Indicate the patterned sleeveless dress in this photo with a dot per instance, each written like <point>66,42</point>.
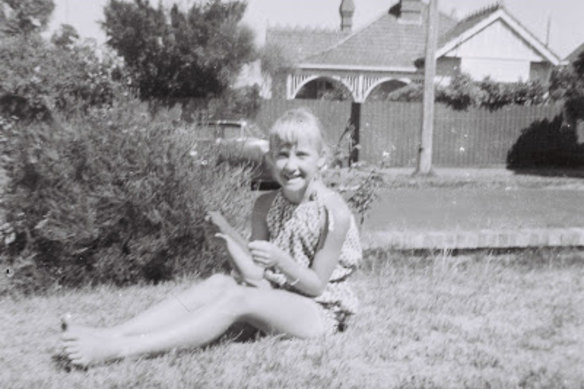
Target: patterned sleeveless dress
<point>298,229</point>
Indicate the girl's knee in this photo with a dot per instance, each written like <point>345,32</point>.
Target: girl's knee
<point>217,282</point>
<point>220,280</point>
<point>236,301</point>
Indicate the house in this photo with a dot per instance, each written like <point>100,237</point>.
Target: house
<point>387,53</point>
<point>574,54</point>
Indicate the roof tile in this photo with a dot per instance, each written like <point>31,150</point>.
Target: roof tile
<point>386,42</point>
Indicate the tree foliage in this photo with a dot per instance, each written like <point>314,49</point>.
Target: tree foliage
<point>463,93</point>
<point>24,16</point>
<point>176,53</point>
<point>275,60</point>
<point>65,36</point>
<point>63,77</point>
<point>567,84</point>
<point>37,76</point>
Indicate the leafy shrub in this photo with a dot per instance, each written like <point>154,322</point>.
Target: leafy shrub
<point>115,196</point>
<point>409,93</point>
<point>463,93</point>
<point>498,95</point>
<point>546,144</point>
<point>67,78</point>
<point>361,198</point>
<point>359,187</point>
<point>25,16</point>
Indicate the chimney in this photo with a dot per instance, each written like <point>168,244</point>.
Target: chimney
<point>347,9</point>
<point>411,11</point>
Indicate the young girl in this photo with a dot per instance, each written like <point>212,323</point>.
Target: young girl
<point>289,279</point>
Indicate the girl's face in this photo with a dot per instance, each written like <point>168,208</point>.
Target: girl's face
<point>296,164</point>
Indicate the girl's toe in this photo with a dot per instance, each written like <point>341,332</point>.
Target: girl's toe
<point>71,349</point>
<point>65,320</point>
<point>68,336</point>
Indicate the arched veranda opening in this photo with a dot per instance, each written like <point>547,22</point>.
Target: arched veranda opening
<point>324,88</point>
<point>382,90</point>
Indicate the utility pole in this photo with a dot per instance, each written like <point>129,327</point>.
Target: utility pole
<point>424,166</point>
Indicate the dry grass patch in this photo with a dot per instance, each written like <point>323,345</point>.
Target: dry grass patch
<point>436,321</point>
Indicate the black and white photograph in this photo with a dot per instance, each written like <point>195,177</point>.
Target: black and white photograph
<point>292,194</point>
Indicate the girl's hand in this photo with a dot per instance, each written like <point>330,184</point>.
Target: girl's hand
<point>265,253</point>
<point>232,246</point>
<point>240,261</point>
<point>215,218</point>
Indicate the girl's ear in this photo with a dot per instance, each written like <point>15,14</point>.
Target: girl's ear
<point>322,161</point>
<point>268,157</point>
<point>269,160</point>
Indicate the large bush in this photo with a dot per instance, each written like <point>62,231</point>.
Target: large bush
<point>64,77</point>
<point>546,144</point>
<point>115,196</point>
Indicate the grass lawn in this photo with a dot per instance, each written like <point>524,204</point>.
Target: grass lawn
<point>477,321</point>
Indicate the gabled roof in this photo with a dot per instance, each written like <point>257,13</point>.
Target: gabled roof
<point>467,23</point>
<point>389,43</point>
<point>476,22</point>
<point>299,43</point>
<point>575,54</point>
<point>386,42</point>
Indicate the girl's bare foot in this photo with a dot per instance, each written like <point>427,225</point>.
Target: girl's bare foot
<point>66,325</point>
<point>86,349</point>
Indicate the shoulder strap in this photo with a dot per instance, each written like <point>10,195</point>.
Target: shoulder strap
<point>325,223</point>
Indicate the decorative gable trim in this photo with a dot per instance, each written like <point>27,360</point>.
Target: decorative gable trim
<point>358,67</point>
<point>515,26</point>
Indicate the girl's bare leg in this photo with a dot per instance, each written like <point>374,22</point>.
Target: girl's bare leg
<point>275,311</point>
<point>167,311</point>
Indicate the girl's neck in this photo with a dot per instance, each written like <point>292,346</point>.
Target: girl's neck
<point>305,195</point>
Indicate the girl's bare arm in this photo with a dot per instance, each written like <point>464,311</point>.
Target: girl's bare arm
<point>311,281</point>
<point>237,245</point>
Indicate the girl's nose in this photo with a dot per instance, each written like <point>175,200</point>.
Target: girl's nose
<point>291,163</point>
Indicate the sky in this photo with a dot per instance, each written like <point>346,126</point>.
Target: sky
<point>566,24</point>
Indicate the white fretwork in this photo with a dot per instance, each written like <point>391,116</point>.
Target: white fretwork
<point>359,85</point>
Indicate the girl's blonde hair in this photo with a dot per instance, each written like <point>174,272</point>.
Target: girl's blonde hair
<point>295,124</point>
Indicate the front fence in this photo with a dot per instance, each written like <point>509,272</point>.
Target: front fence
<point>473,138</point>
<point>333,115</point>
<point>389,131</point>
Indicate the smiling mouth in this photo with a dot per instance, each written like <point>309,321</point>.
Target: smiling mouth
<point>292,177</point>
